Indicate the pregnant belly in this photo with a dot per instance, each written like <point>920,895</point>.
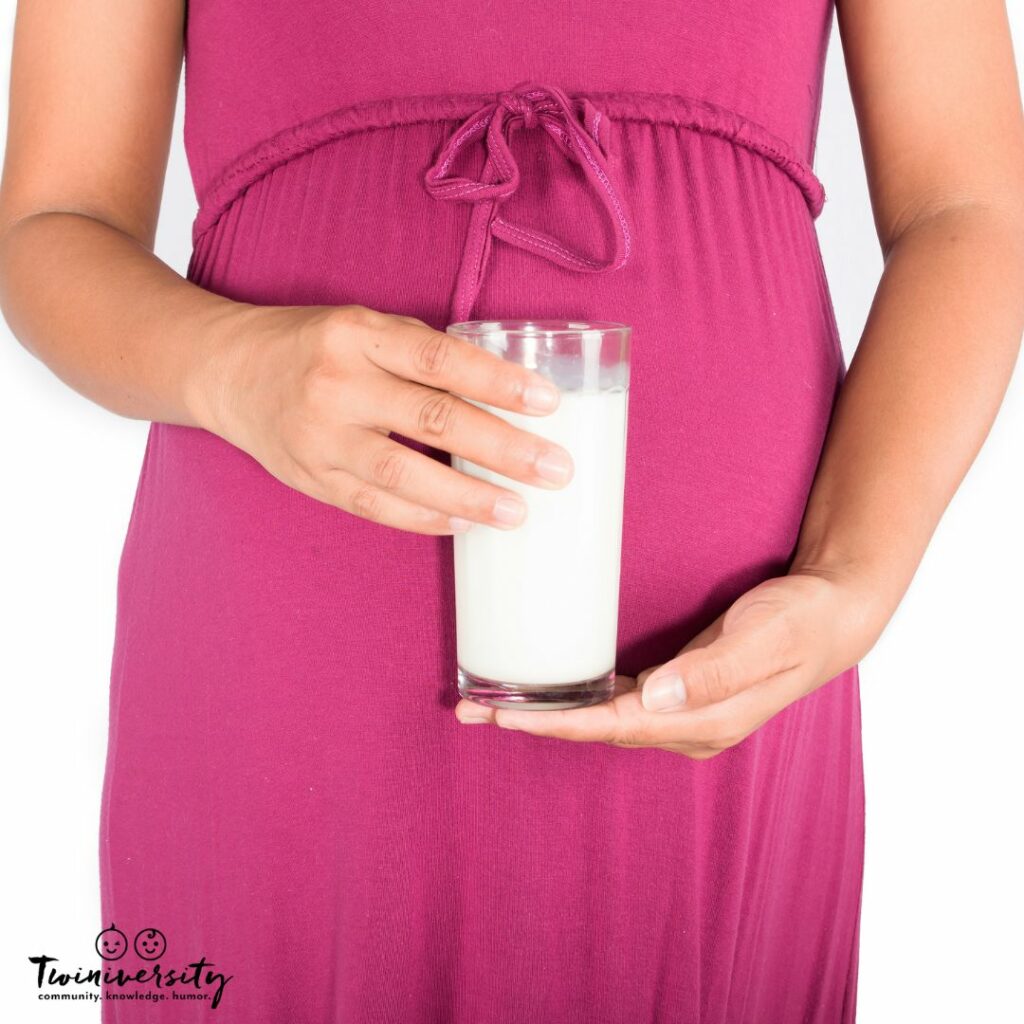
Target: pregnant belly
<point>735,367</point>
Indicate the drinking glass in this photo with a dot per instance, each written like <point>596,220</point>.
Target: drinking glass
<point>537,605</point>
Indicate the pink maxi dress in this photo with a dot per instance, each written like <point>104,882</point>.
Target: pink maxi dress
<point>288,794</point>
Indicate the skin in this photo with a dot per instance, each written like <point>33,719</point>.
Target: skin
<point>311,392</point>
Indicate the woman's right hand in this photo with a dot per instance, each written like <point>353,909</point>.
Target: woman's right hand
<point>311,392</point>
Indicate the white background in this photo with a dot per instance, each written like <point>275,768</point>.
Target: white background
<point>942,696</point>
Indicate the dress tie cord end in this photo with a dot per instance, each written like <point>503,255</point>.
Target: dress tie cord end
<point>581,133</point>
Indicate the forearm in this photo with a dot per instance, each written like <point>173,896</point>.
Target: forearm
<point>920,397</point>
<point>108,317</point>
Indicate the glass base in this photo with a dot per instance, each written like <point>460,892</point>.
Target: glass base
<point>536,697</point>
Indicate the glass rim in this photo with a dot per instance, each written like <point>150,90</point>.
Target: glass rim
<point>527,328</point>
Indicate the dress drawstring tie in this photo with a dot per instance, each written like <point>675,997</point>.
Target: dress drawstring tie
<point>580,130</point>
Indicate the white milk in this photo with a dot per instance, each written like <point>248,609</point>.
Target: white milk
<point>538,604</point>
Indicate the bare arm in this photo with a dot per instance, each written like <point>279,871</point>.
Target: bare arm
<point>93,88</point>
<point>938,106</point>
<point>311,392</point>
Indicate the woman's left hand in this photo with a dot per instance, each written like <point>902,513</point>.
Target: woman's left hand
<point>776,643</point>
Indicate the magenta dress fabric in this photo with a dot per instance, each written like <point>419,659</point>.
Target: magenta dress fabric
<point>288,793</point>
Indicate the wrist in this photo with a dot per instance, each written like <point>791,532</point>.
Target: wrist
<point>875,583</point>
<point>223,341</point>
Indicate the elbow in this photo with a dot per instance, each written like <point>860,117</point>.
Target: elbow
<point>8,244</point>
<point>12,231</point>
<point>997,213</point>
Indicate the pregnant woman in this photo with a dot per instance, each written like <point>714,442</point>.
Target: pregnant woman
<point>293,790</point>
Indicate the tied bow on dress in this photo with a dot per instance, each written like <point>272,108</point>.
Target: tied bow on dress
<point>579,131</point>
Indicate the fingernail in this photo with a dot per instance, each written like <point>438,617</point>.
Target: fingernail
<point>509,511</point>
<point>663,693</point>
<point>471,715</point>
<point>458,524</point>
<point>540,397</point>
<point>554,466</point>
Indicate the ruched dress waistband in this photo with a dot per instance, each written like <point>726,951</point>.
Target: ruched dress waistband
<point>578,125</point>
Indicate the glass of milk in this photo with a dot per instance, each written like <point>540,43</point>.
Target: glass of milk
<point>537,606</point>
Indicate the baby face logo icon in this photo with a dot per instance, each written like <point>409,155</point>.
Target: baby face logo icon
<point>150,943</point>
<point>111,943</point>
